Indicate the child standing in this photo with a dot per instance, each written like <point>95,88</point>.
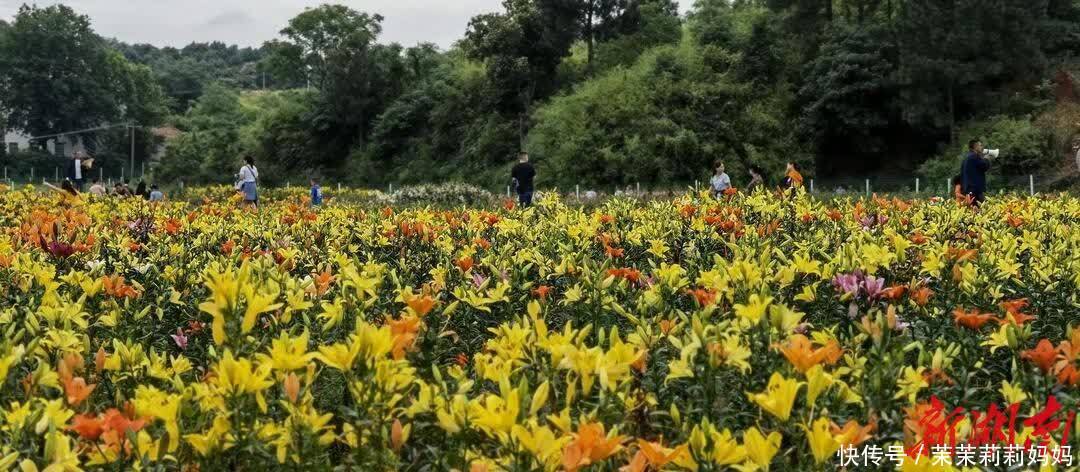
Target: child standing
<point>316,193</point>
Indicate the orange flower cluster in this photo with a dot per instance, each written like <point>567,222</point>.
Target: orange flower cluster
<point>590,445</point>
<point>1060,361</point>
<point>801,352</point>
<point>116,288</point>
<point>974,320</point>
<point>629,274</point>
<point>111,427</point>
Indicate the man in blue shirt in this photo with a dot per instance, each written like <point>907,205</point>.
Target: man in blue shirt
<point>316,193</point>
<point>973,172</point>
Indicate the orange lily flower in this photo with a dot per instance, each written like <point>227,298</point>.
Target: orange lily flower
<point>800,352</point>
<point>657,455</point>
<point>590,445</point>
<point>291,385</point>
<point>465,263</point>
<point>404,331</point>
<point>542,292</point>
<point>703,297</point>
<point>894,292</point>
<point>88,427</point>
<point>421,305</point>
<point>972,319</point>
<point>323,281</point>
<point>853,434</point>
<point>76,390</point>
<point>921,296</point>
<point>116,288</point>
<point>666,326</point>
<point>1068,375</point>
<point>1042,356</point>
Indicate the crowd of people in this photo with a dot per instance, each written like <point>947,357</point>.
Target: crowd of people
<point>523,173</point>
<point>721,182</point>
<point>969,184</point>
<point>75,180</point>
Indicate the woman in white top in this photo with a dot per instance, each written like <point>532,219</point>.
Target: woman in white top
<point>246,181</point>
<point>720,181</point>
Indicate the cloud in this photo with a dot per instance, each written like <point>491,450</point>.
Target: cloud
<point>251,22</point>
<point>231,18</point>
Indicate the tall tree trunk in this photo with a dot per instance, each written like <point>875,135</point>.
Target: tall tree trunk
<point>952,116</point>
<point>828,11</point>
<point>589,39</point>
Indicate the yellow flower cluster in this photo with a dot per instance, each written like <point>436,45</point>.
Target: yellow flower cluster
<point>753,332</point>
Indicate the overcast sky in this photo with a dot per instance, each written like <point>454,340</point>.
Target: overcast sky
<point>250,22</point>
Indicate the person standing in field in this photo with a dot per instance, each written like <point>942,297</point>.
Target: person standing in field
<point>792,178</point>
<point>522,177</point>
<point>756,179</point>
<point>155,194</point>
<point>973,172</point>
<point>246,180</point>
<point>75,170</point>
<point>316,193</point>
<point>720,181</point>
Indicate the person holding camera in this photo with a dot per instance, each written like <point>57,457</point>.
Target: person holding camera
<point>973,171</point>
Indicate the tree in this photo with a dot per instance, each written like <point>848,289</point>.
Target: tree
<point>711,23</point>
<point>663,121</point>
<point>210,147</point>
<point>334,48</point>
<point>60,74</point>
<point>642,26</point>
<point>957,55</point>
<point>522,47</point>
<point>848,99</point>
<point>63,77</point>
<point>5,85</point>
<point>328,38</point>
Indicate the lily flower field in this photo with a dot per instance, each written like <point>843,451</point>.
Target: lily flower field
<point>753,332</point>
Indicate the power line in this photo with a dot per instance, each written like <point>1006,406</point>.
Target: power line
<point>87,130</point>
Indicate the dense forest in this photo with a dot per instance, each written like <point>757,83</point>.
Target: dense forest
<point>600,92</point>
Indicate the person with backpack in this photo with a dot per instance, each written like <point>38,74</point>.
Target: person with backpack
<point>246,180</point>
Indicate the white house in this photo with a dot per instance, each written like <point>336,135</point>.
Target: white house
<point>61,146</point>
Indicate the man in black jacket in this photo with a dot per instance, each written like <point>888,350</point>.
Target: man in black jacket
<point>522,175</point>
<point>973,172</point>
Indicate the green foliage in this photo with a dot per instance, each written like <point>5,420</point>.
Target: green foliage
<point>664,121</point>
<point>848,97</point>
<point>712,23</point>
<point>184,72</point>
<point>650,23</point>
<point>1025,148</point>
<point>87,82</point>
<point>603,92</point>
<point>211,149</point>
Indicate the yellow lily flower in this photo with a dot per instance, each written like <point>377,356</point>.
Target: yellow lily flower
<point>778,397</point>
